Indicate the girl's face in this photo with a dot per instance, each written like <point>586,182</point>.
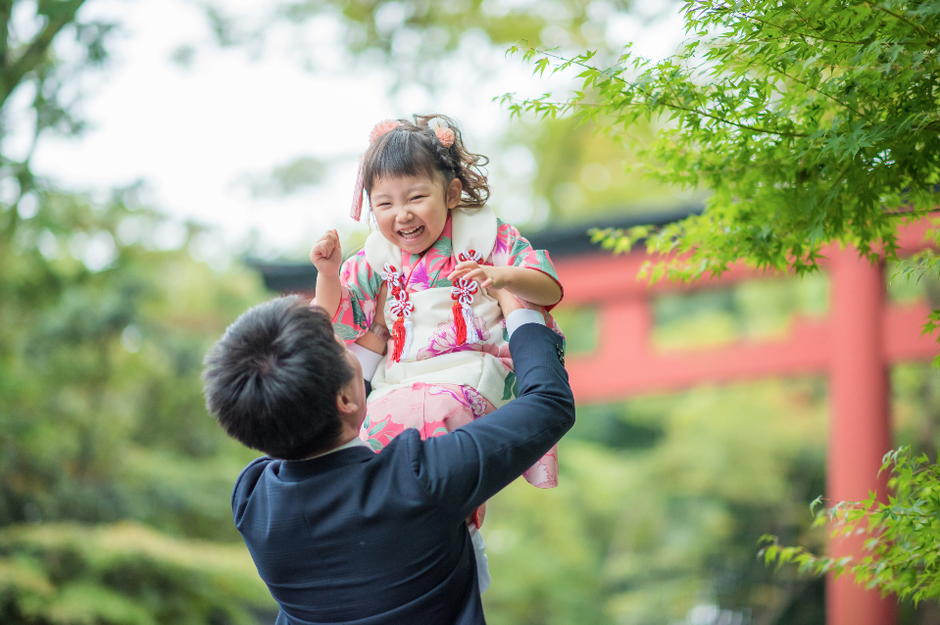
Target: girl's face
<point>411,211</point>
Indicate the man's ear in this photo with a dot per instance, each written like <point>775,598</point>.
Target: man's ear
<point>345,403</point>
<point>453,193</point>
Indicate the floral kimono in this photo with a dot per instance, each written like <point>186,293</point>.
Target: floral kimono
<point>448,359</point>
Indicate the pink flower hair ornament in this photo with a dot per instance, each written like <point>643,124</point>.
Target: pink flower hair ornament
<point>443,132</point>
<point>383,127</point>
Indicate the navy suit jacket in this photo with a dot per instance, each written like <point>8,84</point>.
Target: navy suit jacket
<point>363,538</point>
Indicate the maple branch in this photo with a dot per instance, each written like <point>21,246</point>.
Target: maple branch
<point>12,74</point>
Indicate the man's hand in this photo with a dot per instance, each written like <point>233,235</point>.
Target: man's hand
<point>507,301</point>
<point>380,305</point>
<point>327,254</point>
<point>487,276</point>
<point>370,340</point>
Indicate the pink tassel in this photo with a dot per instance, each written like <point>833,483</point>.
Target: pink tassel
<point>356,210</point>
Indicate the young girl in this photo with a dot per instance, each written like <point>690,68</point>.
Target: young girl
<point>421,287</point>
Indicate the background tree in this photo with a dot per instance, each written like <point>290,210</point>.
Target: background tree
<point>808,123</point>
<point>111,470</point>
<point>420,38</point>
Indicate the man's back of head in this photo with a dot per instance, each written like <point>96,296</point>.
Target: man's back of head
<point>272,379</point>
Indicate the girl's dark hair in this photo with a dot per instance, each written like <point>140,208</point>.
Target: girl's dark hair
<point>413,149</point>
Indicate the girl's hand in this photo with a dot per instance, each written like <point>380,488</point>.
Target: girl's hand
<point>326,254</point>
<point>487,276</point>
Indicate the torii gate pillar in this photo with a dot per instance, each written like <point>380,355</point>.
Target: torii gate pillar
<point>860,425</point>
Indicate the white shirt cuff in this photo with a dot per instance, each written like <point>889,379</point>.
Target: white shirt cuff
<point>368,359</point>
<point>522,316</point>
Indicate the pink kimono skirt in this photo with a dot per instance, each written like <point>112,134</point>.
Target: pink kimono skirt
<point>435,409</point>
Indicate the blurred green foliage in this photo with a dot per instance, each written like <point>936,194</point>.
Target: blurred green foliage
<point>754,310</point>
<point>102,346</point>
<point>114,483</point>
<point>577,175</point>
<point>122,573</point>
<point>901,534</point>
<point>102,421</point>
<point>112,478</point>
<point>804,120</point>
<point>580,327</point>
<point>419,37</point>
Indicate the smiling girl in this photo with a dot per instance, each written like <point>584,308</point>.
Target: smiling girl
<point>421,291</point>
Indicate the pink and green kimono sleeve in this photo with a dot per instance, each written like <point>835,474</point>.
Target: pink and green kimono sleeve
<point>514,250</point>
<point>360,288</point>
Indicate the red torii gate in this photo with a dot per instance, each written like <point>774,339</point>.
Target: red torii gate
<point>854,346</point>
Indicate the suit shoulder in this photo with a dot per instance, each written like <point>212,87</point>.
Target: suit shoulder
<point>248,479</point>
<point>400,449</point>
<point>405,452</point>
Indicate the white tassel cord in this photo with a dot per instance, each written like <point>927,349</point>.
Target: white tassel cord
<point>409,334</point>
<point>472,336</point>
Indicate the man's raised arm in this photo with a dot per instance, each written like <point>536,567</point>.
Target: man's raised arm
<point>468,466</point>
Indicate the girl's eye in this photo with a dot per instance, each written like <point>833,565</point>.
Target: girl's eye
<point>417,197</point>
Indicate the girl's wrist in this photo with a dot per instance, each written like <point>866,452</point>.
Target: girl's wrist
<point>507,275</point>
<point>327,277</point>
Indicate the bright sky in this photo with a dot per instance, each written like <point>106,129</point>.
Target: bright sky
<point>195,134</point>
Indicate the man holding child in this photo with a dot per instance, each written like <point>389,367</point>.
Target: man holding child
<point>341,534</point>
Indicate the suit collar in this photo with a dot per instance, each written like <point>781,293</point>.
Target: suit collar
<point>294,471</point>
<point>354,442</point>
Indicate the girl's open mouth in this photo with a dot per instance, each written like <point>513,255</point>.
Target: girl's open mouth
<point>414,233</point>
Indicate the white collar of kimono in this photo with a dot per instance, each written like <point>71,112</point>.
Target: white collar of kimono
<point>473,229</point>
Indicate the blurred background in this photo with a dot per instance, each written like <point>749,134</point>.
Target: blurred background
<point>155,153</point>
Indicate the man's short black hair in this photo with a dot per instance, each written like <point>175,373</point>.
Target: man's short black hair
<point>272,379</point>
